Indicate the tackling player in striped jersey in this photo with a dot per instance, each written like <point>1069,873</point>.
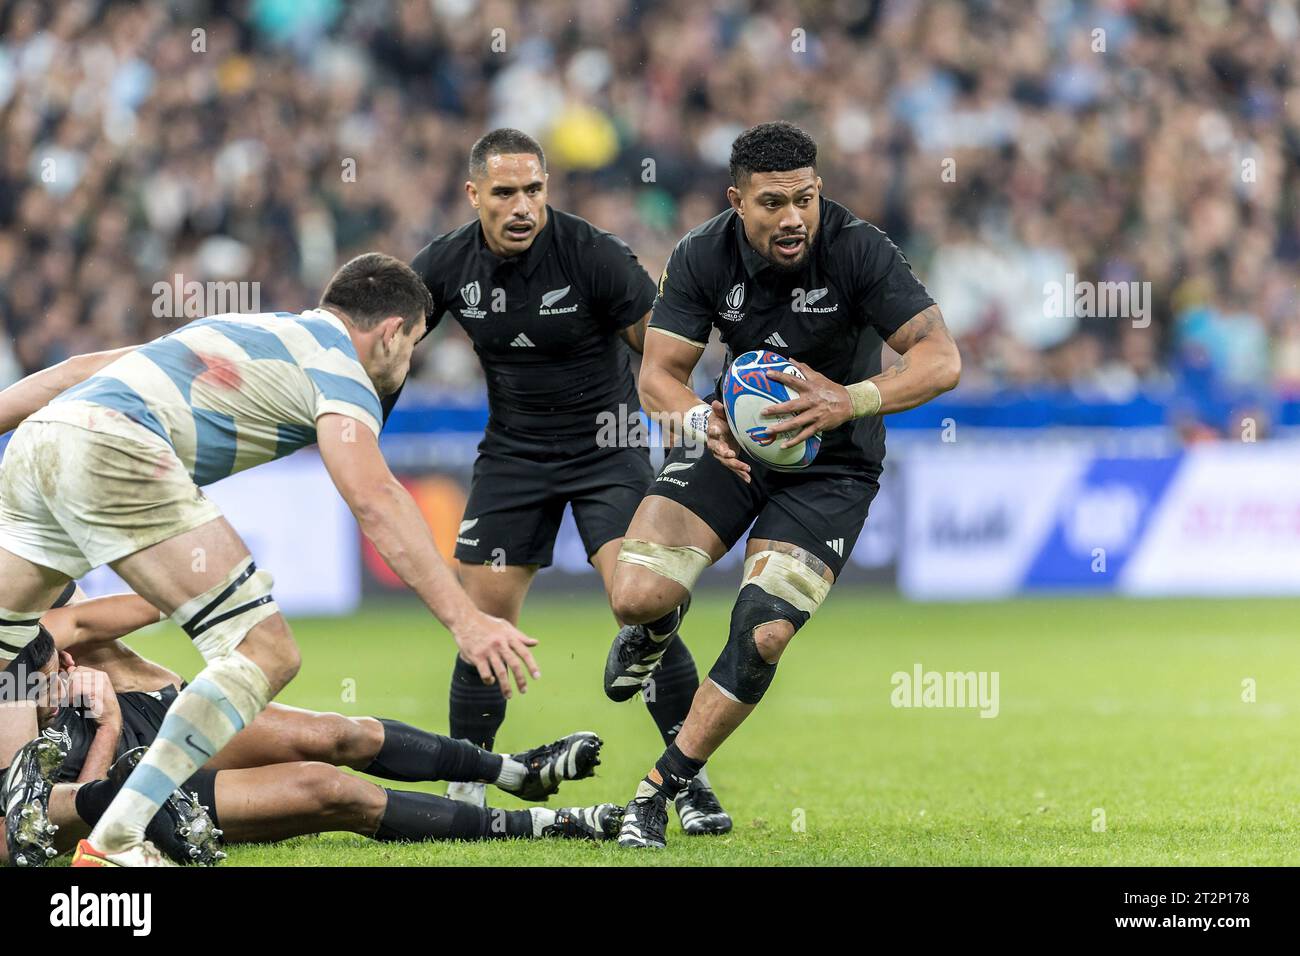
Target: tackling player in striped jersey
<point>278,778</point>
<point>109,472</point>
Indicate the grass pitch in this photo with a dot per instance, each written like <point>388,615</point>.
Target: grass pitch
<point>1125,733</point>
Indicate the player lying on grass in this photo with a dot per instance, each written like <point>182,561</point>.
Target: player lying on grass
<point>784,268</point>
<point>276,779</point>
<point>109,472</point>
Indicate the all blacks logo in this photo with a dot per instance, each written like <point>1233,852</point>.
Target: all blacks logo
<point>472,294</point>
<point>735,300</point>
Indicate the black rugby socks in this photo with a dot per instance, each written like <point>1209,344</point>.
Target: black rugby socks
<point>672,773</point>
<point>671,689</point>
<point>477,709</point>
<point>427,816</point>
<point>411,754</point>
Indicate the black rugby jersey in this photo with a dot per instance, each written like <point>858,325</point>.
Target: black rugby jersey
<point>142,717</point>
<point>854,291</point>
<point>544,323</point>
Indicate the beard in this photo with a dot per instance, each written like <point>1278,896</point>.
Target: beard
<point>789,266</point>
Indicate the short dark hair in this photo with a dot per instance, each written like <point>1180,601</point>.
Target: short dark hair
<point>374,286</point>
<point>501,142</point>
<point>771,148</point>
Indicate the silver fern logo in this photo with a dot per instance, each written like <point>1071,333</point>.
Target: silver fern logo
<point>550,298</point>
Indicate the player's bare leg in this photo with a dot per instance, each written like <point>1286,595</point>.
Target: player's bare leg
<point>665,550</point>
<point>284,734</point>
<point>781,587</point>
<point>27,591</point>
<point>282,801</point>
<point>394,750</point>
<point>205,580</point>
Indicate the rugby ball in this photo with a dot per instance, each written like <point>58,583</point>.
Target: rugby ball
<point>746,392</point>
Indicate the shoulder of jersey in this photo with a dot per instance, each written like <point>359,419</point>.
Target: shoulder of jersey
<point>452,243</point>
<point>839,221</point>
<point>719,225</point>
<point>574,232</point>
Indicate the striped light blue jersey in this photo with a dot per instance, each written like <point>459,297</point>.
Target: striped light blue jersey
<point>233,391</point>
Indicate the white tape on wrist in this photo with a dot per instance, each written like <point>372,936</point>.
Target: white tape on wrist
<point>695,423</point>
<point>866,398</point>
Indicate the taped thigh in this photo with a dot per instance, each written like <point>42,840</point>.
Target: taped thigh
<point>218,620</point>
<point>683,565</point>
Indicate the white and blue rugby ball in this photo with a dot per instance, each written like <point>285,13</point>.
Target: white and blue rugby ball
<point>746,392</point>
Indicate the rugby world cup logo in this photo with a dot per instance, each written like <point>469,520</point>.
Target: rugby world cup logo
<point>470,294</point>
<point>735,299</point>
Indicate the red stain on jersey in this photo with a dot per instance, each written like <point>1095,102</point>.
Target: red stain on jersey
<point>219,372</point>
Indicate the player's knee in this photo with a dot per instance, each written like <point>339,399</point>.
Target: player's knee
<point>322,784</point>
<point>778,595</point>
<point>772,638</point>
<point>286,662</point>
<point>273,649</point>
<point>642,597</point>
<point>652,579</point>
<point>335,739</point>
<point>360,740</point>
<point>744,670</point>
<point>337,795</point>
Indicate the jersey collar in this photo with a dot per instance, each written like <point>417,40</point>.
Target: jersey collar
<point>755,264</point>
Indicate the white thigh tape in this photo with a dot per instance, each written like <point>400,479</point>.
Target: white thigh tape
<point>217,620</point>
<point>786,577</point>
<point>683,565</point>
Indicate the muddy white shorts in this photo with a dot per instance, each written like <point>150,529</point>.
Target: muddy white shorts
<point>82,486</point>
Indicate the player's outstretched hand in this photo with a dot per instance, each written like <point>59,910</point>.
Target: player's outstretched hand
<point>498,648</point>
<point>723,444</point>
<point>821,405</point>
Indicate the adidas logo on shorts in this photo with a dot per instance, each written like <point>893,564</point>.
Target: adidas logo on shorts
<point>836,545</point>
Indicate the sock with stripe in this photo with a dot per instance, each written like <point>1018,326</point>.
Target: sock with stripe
<point>665,627</point>
<point>672,773</point>
<point>675,682</point>
<point>427,816</point>
<point>477,709</point>
<point>223,699</point>
<point>411,754</point>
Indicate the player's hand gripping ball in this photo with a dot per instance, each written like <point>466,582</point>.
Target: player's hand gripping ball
<point>746,392</point>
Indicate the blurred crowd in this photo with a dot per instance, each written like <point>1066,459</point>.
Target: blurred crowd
<point>1006,145</point>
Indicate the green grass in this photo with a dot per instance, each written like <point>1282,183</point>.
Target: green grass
<point>1133,707</point>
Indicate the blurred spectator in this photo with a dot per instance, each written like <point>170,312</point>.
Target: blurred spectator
<point>1006,146</point>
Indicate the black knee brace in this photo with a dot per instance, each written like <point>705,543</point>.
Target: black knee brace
<point>740,669</point>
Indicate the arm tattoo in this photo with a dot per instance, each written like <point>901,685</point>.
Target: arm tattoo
<point>895,370</point>
<point>918,327</point>
<point>634,335</point>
